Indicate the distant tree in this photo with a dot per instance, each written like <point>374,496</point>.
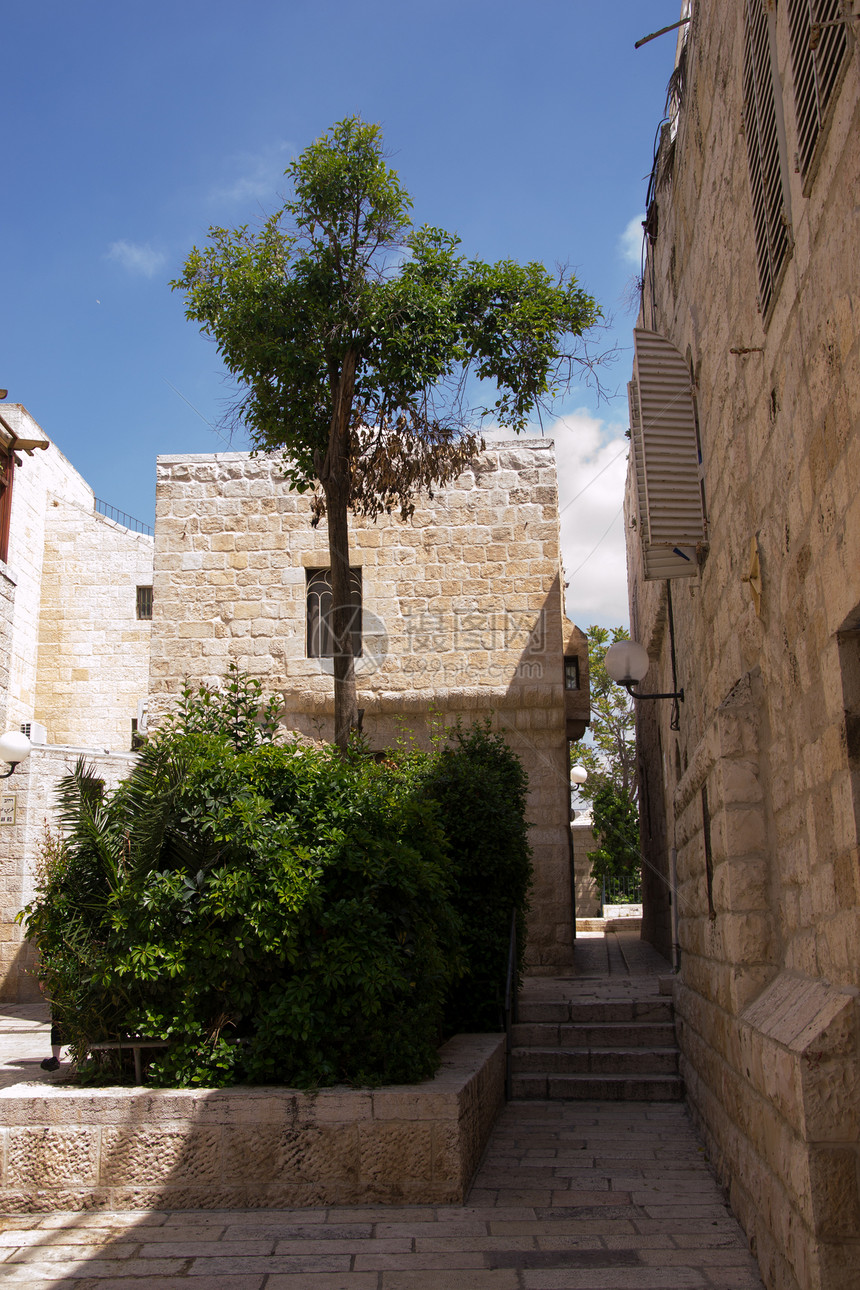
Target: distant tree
<point>610,760</point>
<point>354,333</point>
<point>615,825</point>
<point>609,756</point>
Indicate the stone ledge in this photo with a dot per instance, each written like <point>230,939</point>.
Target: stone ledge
<point>67,1148</point>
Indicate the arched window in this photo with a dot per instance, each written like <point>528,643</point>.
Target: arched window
<point>319,606</point>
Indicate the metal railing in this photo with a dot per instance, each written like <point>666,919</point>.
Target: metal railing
<point>122,517</point>
<point>626,890</point>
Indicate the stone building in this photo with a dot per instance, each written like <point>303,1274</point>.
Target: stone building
<point>460,617</point>
<point>743,513</point>
<point>75,619</point>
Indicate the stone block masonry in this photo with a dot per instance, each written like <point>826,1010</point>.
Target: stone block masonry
<point>461,619</point>
<point>133,1148</point>
<point>756,788</point>
<point>33,791</point>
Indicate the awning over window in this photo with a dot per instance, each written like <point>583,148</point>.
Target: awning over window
<point>666,459</point>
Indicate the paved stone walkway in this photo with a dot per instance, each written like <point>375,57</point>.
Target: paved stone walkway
<point>570,1196</point>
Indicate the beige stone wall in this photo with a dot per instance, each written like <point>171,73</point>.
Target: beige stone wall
<point>33,790</point>
<point>462,616</point>
<point>44,474</point>
<point>587,891</point>
<point>7,602</point>
<point>78,659</point>
<point>759,790</point>
<point>122,1148</point>
<point>93,653</point>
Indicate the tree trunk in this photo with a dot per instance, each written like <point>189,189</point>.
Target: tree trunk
<point>335,483</point>
<point>345,699</point>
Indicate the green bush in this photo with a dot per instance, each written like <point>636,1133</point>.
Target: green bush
<point>480,786</point>
<point>279,913</point>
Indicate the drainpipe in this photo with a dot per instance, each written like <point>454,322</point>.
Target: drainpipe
<point>673,891</point>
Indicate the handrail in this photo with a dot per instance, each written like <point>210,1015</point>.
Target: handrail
<point>511,1002</point>
<point>122,517</point>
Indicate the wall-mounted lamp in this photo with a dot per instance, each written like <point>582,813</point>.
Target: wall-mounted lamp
<point>627,663</point>
<point>14,748</point>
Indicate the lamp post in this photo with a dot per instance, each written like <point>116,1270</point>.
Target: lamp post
<point>14,748</point>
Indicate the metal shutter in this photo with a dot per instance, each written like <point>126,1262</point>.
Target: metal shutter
<point>816,71</point>
<point>665,459</point>
<point>767,188</point>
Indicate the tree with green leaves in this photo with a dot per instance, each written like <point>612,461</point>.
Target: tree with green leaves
<point>355,335</point>
<point>609,756</point>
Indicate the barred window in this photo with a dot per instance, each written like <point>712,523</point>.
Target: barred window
<point>319,607</point>
<point>765,152</point>
<point>144,602</point>
<point>819,45</point>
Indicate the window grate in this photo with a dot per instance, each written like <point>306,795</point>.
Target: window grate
<point>320,639</point>
<point>816,69</point>
<point>766,168</point>
<point>144,602</point>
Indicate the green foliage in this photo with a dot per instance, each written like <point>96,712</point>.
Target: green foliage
<point>279,913</point>
<point>321,304</point>
<point>609,755</point>
<point>353,335</point>
<point>235,710</point>
<point>480,788</point>
<point>615,824</point>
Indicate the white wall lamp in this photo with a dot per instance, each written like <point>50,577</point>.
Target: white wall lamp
<point>627,663</point>
<point>14,748</point>
<point>578,776</point>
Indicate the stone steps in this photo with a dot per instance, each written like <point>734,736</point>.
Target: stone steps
<point>612,1050</point>
<point>606,1034</point>
<point>596,1061</point>
<point>599,1088</point>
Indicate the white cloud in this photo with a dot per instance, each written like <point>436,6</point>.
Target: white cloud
<point>630,241</point>
<point>256,176</point>
<point>137,258</point>
<point>591,458</point>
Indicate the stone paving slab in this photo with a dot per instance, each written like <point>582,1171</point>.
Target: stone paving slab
<point>551,1209</point>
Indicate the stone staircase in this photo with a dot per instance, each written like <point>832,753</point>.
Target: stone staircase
<point>596,1049</point>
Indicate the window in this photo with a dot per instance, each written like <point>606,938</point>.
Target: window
<point>319,606</point>
<point>144,602</point>
<point>571,672</point>
<point>765,152</point>
<point>819,44</point>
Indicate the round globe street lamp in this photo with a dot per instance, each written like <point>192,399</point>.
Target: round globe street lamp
<point>14,748</point>
<point>578,775</point>
<point>627,663</point>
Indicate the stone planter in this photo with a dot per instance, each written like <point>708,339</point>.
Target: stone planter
<point>132,1148</point>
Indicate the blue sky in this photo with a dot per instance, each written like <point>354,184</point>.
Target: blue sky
<point>130,129</point>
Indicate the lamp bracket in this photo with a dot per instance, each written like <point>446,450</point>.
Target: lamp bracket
<point>634,694</point>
